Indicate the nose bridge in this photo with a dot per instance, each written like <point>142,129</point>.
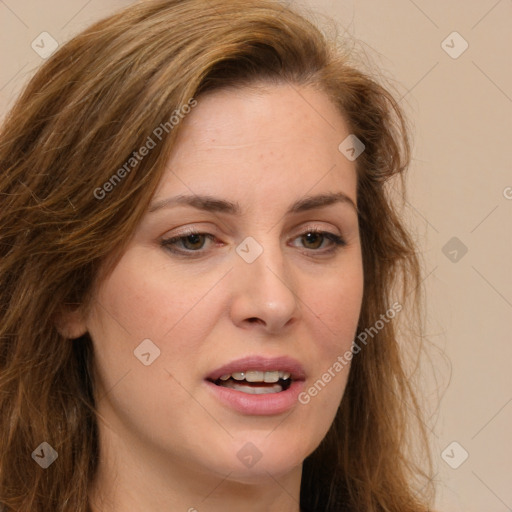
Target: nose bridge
<point>263,261</point>
<point>265,287</point>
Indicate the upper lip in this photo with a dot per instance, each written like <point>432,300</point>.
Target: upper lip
<point>262,364</point>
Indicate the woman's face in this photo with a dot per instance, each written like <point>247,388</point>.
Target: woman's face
<point>173,316</point>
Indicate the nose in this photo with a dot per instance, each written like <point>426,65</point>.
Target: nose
<point>264,292</point>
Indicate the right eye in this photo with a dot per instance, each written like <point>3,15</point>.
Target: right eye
<point>187,243</point>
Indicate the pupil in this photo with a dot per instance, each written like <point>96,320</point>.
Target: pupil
<point>313,235</point>
<point>194,239</point>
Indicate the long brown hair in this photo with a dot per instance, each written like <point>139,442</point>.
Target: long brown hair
<point>76,124</point>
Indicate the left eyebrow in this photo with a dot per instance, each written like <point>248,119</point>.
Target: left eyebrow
<point>215,204</point>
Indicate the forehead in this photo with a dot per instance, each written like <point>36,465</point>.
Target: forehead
<point>260,143</point>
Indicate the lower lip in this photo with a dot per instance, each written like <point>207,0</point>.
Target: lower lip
<point>266,404</point>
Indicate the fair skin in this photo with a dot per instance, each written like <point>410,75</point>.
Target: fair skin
<point>166,441</point>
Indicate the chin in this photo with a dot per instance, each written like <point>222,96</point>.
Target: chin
<point>261,473</point>
<point>258,458</point>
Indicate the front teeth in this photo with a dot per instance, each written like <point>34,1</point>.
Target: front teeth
<point>267,377</point>
<point>257,376</point>
<point>254,376</point>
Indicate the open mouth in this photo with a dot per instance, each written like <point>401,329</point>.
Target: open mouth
<point>256,382</point>
<point>257,385</point>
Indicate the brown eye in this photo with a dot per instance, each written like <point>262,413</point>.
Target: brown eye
<point>313,240</point>
<point>188,243</point>
<point>195,241</point>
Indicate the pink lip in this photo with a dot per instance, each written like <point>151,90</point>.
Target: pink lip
<point>265,404</point>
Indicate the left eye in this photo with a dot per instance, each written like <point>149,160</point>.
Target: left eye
<point>193,242</point>
<point>312,236</point>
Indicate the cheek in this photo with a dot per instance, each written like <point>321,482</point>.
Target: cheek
<point>335,309</point>
<point>176,315</point>
<point>142,300</point>
<point>151,301</point>
<point>336,304</point>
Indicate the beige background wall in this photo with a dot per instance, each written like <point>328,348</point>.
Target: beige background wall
<point>460,186</point>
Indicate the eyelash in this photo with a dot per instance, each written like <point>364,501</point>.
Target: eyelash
<point>337,241</point>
